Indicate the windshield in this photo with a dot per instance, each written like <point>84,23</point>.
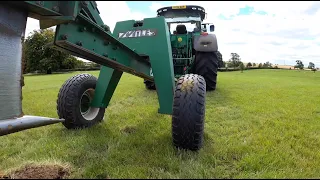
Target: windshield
<point>182,19</point>
<point>192,23</point>
<point>190,27</point>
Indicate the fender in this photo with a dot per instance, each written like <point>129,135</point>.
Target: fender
<point>205,43</point>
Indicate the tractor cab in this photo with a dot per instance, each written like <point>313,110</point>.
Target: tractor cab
<point>182,19</point>
<point>185,19</point>
<point>184,23</point>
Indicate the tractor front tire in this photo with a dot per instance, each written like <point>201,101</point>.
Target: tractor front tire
<point>74,100</point>
<point>150,85</point>
<point>206,65</point>
<point>189,112</point>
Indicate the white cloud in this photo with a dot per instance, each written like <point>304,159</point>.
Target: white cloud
<point>261,38</point>
<point>32,24</point>
<point>155,6</point>
<point>289,31</point>
<point>114,11</point>
<point>110,12</point>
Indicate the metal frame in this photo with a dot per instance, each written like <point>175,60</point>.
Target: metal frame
<point>76,19</point>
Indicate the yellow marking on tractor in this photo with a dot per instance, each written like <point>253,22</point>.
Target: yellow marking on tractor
<point>179,7</point>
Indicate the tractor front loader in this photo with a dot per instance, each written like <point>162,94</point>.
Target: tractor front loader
<point>142,48</point>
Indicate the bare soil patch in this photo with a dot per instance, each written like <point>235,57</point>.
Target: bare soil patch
<point>38,172</point>
<point>129,130</point>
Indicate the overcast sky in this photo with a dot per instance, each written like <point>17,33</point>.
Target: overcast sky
<point>276,31</point>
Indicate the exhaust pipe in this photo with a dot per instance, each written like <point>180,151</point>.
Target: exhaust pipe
<point>9,126</point>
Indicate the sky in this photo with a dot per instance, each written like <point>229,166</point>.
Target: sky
<point>280,32</point>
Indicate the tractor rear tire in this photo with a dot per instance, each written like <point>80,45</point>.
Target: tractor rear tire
<point>150,85</point>
<point>73,102</point>
<point>206,65</point>
<point>189,112</point>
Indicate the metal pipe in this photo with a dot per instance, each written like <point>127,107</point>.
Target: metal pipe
<point>9,126</point>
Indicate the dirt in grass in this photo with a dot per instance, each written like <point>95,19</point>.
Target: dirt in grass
<point>38,172</point>
<point>129,130</point>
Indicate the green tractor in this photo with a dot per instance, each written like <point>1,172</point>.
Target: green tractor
<point>194,49</point>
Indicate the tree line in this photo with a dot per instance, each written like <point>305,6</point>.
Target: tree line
<point>38,56</point>
<point>235,62</point>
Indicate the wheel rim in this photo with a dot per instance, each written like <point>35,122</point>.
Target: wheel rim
<point>87,112</point>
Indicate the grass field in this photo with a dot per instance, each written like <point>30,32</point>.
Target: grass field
<point>259,124</point>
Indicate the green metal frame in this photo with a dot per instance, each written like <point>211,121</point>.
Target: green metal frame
<point>158,48</point>
<point>81,32</point>
<point>106,85</point>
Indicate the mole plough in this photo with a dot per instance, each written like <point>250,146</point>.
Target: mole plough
<point>174,53</point>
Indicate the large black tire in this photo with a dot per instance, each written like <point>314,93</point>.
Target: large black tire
<point>206,65</point>
<point>189,112</point>
<point>73,102</point>
<point>150,85</point>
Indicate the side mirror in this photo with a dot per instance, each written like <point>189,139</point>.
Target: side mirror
<point>211,28</point>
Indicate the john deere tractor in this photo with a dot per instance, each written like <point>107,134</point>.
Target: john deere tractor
<point>194,46</point>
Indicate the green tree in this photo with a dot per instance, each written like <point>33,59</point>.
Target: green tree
<point>314,70</point>
<point>93,65</point>
<point>260,65</point>
<point>249,65</point>
<point>241,67</point>
<point>222,64</point>
<point>220,59</point>
<point>234,61</point>
<point>267,64</point>
<point>72,62</point>
<point>40,57</point>
<point>80,64</point>
<point>311,65</point>
<point>254,65</point>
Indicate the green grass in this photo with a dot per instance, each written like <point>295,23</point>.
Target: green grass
<point>259,124</point>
